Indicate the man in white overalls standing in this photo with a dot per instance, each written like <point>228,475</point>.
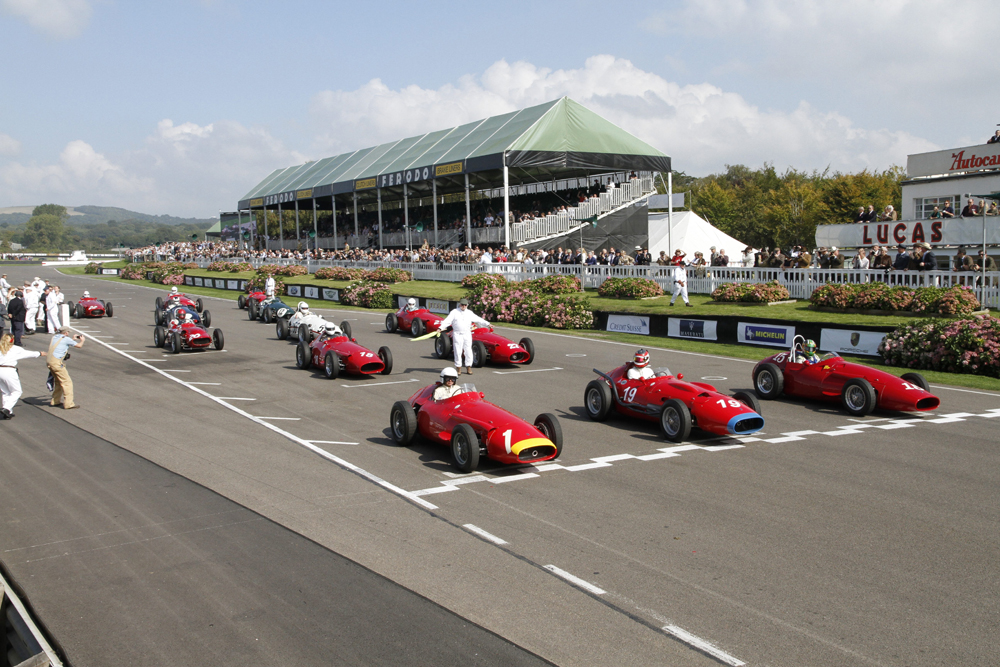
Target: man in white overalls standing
<point>680,285</point>
<point>461,320</point>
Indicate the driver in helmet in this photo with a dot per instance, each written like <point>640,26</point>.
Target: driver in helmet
<point>809,352</point>
<point>640,369</point>
<point>173,291</point>
<point>331,330</point>
<point>411,305</point>
<point>303,309</point>
<point>86,294</point>
<point>449,385</point>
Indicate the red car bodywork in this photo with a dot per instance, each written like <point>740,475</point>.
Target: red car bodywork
<point>710,410</point>
<point>404,318</point>
<point>825,381</point>
<point>499,350</point>
<point>255,296</point>
<point>90,307</point>
<point>191,336</point>
<point>354,359</point>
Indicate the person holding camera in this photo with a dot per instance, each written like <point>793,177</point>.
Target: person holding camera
<point>62,389</point>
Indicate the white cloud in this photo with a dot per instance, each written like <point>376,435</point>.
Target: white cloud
<point>9,146</point>
<point>60,19</point>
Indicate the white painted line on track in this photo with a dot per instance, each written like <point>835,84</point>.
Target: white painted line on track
<point>343,463</point>
<point>234,398</point>
<point>287,419</point>
<point>433,490</point>
<point>702,645</point>
<point>533,370</point>
<point>332,442</point>
<point>118,343</point>
<point>964,391</point>
<point>513,478</point>
<point>472,528</point>
<point>173,370</point>
<point>378,384</point>
<point>214,384</point>
<point>585,585</point>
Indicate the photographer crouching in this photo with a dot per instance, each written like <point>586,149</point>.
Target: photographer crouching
<point>62,385</point>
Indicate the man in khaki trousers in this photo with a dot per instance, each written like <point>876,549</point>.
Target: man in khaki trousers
<point>62,390</point>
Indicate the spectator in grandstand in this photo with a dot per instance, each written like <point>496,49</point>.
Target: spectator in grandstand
<point>888,215</point>
<point>995,139</point>
<point>836,259</point>
<point>823,258</point>
<point>591,259</point>
<point>880,258</point>
<point>749,256</point>
<point>861,260</point>
<point>948,211</point>
<point>993,209</point>
<point>663,260</point>
<point>936,213</point>
<point>699,264</point>
<point>970,209</point>
<point>712,255</point>
<point>678,258</point>
<point>926,260</point>
<point>860,215</point>
<point>721,259</point>
<point>762,256</point>
<point>870,215</point>
<point>960,260</point>
<point>990,264</point>
<point>776,259</point>
<point>804,260</point>
<point>643,258</point>
<point>902,259</point>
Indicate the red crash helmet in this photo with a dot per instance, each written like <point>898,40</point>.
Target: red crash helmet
<point>641,359</point>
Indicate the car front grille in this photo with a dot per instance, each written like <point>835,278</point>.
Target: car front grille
<point>536,453</point>
<point>749,424</point>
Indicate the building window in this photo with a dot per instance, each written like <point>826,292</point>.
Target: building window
<point>924,207</point>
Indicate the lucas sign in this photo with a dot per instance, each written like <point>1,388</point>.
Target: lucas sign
<point>958,231</point>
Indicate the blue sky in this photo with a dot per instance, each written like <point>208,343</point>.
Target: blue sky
<point>182,107</point>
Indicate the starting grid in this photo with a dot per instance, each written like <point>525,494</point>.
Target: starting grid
<point>721,444</point>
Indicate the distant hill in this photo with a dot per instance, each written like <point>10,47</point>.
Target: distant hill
<point>90,215</point>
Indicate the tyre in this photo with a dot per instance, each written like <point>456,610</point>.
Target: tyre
<point>345,326</point>
<point>159,303</point>
<point>252,309</point>
<point>206,319</point>
<point>305,334</point>
<point>79,311</point>
<point>465,448</point>
<point>218,339</point>
<point>548,424</point>
<point>72,310</point>
<point>157,317</point>
<point>281,328</point>
<point>402,423</point>
<point>749,400</point>
<point>597,400</point>
<point>675,420</point>
<point>159,336</point>
<point>916,379</point>
<point>266,315</point>
<point>391,322</point>
<point>109,310</point>
<point>417,327</point>
<point>530,348</point>
<point>442,346</point>
<point>331,365</point>
<point>385,354</point>
<point>303,355</point>
<point>175,343</point>
<point>768,381</point>
<point>858,397</point>
<point>478,354</point>
<point>241,302</point>
<point>198,305</point>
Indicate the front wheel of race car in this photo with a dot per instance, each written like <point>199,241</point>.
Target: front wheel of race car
<point>749,400</point>
<point>281,329</point>
<point>768,382</point>
<point>417,327</point>
<point>305,334</point>
<point>916,379</point>
<point>157,317</point>
<point>331,365</point>
<point>79,311</point>
<point>266,315</point>
<point>442,346</point>
<point>175,342</point>
<point>159,303</point>
<point>159,336</point>
<point>198,305</point>
<point>529,347</point>
<point>391,322</point>
<point>548,424</point>
<point>478,353</point>
<point>465,448</point>
<point>597,400</point>
<point>858,397</point>
<point>218,339</point>
<point>241,302</point>
<point>303,355</point>
<point>345,326</point>
<point>109,310</point>
<point>385,354</point>
<point>72,309</point>
<point>675,420</point>
<point>252,309</point>
<point>206,319</point>
<point>402,423</point>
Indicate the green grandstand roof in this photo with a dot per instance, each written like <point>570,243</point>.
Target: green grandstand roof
<point>561,134</point>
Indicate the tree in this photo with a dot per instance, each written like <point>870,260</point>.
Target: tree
<point>846,193</point>
<point>51,209</point>
<point>44,232</point>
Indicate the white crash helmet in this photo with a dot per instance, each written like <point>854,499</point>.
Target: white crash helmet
<point>330,329</point>
<point>173,290</point>
<point>449,372</point>
<point>411,304</point>
<point>303,307</point>
<point>86,295</point>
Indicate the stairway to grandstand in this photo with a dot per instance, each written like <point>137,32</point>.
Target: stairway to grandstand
<point>595,208</point>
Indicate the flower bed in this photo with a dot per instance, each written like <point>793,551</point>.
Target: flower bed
<point>947,301</point>
<point>478,280</point>
<point>389,275</point>
<point>172,271</point>
<point>629,288</point>
<point>750,293</point>
<point>93,267</point>
<point>340,273</point>
<point>526,303</point>
<point>240,267</point>
<point>558,284</point>
<point>367,294</point>
<point>292,270</point>
<point>218,266</point>
<point>256,284</point>
<point>953,346</point>
<point>133,272</point>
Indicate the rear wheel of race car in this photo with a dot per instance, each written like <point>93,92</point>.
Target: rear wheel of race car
<point>529,347</point>
<point>858,397</point>
<point>442,346</point>
<point>675,420</point>
<point>345,326</point>
<point>157,317</point>
<point>417,327</point>
<point>916,379</point>
<point>79,311</point>
<point>597,400</point>
<point>266,315</point>
<point>109,310</point>
<point>331,365</point>
<point>749,400</point>
<point>548,424</point>
<point>305,334</point>
<point>72,309</point>
<point>241,302</point>
<point>206,319</point>
<point>768,382</point>
<point>402,423</point>
<point>391,322</point>
<point>465,448</point>
<point>198,305</point>
<point>252,309</point>
<point>385,354</point>
<point>159,336</point>
<point>303,355</point>
<point>159,303</point>
<point>175,342</point>
<point>281,329</point>
<point>478,353</point>
<point>218,339</point>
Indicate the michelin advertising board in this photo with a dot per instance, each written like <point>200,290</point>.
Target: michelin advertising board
<point>772,335</point>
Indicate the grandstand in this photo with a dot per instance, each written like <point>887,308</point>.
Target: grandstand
<point>524,177</point>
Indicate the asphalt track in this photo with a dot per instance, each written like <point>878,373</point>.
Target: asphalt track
<point>825,540</point>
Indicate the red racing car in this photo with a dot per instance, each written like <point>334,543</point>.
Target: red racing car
<point>90,307</point>
<point>342,354</point>
<point>178,298</point>
<point>179,336</point>
<point>488,346</point>
<point>474,427</point>
<point>677,405</point>
<point>860,389</point>
<point>243,299</point>
<point>417,322</point>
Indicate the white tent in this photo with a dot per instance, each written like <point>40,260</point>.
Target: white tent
<point>690,233</point>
